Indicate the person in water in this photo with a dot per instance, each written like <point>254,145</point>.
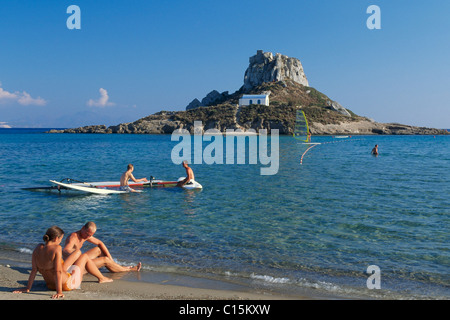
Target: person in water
<point>99,255</point>
<point>127,175</point>
<point>58,274</point>
<point>375,150</point>
<point>189,175</point>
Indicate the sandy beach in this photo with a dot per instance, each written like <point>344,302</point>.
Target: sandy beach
<point>13,277</point>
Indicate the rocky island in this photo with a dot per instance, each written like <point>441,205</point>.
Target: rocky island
<point>284,80</point>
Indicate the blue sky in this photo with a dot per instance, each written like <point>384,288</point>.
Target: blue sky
<point>134,58</point>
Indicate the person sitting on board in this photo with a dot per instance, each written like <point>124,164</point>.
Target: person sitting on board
<point>375,150</point>
<point>189,175</point>
<point>99,255</point>
<point>127,175</point>
<point>58,274</point>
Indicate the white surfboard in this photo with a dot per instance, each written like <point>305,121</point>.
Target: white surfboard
<point>86,188</point>
<point>191,184</point>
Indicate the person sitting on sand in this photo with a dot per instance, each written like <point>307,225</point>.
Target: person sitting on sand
<point>58,274</point>
<point>99,255</point>
<point>375,150</point>
<point>189,175</point>
<point>127,175</point>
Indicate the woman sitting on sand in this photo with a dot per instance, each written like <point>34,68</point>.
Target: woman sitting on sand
<point>59,275</point>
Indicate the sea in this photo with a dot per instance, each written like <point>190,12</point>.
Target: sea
<point>342,223</point>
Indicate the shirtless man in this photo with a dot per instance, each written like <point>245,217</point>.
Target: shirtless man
<point>127,175</point>
<point>99,255</point>
<point>58,274</point>
<point>375,150</point>
<point>189,175</point>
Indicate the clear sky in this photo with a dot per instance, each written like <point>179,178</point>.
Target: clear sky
<point>136,57</point>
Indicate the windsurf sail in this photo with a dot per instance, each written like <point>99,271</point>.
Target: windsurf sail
<point>301,130</point>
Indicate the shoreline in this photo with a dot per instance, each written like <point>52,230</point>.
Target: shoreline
<point>128,286</point>
<point>442,132</point>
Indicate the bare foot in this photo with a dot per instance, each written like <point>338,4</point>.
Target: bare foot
<point>136,267</point>
<point>105,280</point>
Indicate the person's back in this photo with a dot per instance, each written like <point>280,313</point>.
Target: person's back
<point>45,256</point>
<point>190,173</point>
<point>127,175</point>
<point>375,150</point>
<point>124,178</point>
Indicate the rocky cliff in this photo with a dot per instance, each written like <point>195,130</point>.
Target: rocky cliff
<point>289,91</point>
<point>264,67</point>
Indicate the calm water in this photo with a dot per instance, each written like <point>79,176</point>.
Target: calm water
<point>315,226</point>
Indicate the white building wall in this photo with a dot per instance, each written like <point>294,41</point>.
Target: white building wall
<point>247,100</point>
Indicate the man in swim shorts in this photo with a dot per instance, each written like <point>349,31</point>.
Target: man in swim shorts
<point>99,255</point>
<point>127,175</point>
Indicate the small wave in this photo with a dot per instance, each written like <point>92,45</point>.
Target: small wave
<point>25,250</point>
<point>231,274</point>
<point>269,279</point>
<point>331,287</point>
<point>301,282</point>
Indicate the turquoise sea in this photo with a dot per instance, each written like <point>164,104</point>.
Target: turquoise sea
<point>313,228</point>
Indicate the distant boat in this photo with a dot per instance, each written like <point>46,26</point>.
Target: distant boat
<point>341,137</point>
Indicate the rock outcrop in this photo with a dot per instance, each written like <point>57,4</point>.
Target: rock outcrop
<point>194,104</point>
<point>264,67</point>
<point>367,127</point>
<point>138,127</point>
<point>336,106</point>
<point>212,98</point>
